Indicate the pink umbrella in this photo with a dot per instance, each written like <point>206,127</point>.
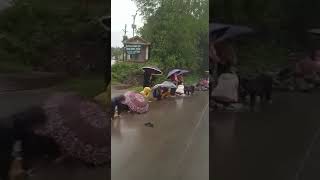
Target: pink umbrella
<point>136,102</point>
<point>79,126</point>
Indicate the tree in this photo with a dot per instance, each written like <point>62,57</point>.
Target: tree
<point>178,31</point>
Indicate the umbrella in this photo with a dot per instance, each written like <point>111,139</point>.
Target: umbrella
<point>172,72</point>
<point>154,70</point>
<point>79,126</point>
<point>182,72</point>
<point>314,31</point>
<point>106,22</point>
<point>230,32</point>
<point>166,84</point>
<point>136,102</point>
<point>217,30</point>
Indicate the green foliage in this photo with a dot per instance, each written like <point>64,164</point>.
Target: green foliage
<point>12,67</point>
<point>178,31</point>
<point>132,74</point>
<point>124,72</point>
<point>86,85</point>
<point>30,29</point>
<point>263,57</point>
<point>117,53</point>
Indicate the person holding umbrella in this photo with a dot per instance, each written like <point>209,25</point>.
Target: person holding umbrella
<point>147,75</point>
<point>180,78</point>
<point>173,76</point>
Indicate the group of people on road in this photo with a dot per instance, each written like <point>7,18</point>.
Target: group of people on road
<point>138,102</point>
<point>227,87</point>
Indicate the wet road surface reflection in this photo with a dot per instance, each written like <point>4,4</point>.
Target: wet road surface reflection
<point>169,150</point>
<point>272,144</point>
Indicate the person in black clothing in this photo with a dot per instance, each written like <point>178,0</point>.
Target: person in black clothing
<point>116,102</point>
<point>34,147</point>
<point>147,78</point>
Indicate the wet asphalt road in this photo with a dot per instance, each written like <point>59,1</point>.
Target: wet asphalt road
<point>281,142</point>
<point>176,148</point>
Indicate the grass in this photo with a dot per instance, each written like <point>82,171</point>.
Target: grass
<point>129,73</point>
<point>13,67</point>
<point>136,88</point>
<point>86,85</point>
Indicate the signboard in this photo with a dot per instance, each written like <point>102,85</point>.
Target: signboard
<point>133,49</point>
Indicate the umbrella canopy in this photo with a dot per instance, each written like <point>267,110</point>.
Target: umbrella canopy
<point>136,102</point>
<point>229,31</point>
<point>106,22</point>
<point>217,30</point>
<point>172,72</point>
<point>79,126</point>
<point>183,72</point>
<point>154,70</point>
<point>166,84</point>
<point>314,31</point>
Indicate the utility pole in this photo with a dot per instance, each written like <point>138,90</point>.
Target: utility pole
<point>124,38</point>
<point>133,24</point>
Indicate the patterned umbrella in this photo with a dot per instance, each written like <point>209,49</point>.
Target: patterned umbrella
<point>136,102</point>
<point>79,126</point>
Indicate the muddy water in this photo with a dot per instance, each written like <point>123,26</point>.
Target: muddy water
<point>271,144</point>
<point>177,147</point>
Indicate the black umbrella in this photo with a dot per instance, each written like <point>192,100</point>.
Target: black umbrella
<point>154,70</point>
<point>314,31</point>
<point>217,30</point>
<point>229,31</point>
<point>106,22</point>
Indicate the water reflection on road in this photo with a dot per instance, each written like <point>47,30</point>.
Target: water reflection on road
<point>180,136</point>
<point>271,144</point>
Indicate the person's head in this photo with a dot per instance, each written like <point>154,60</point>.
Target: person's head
<point>121,98</point>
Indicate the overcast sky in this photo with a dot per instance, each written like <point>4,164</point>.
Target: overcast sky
<point>121,14</point>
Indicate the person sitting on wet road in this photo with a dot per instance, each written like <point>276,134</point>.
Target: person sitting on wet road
<point>226,91</point>
<point>116,103</point>
<point>180,90</point>
<point>174,79</point>
<point>165,92</point>
<point>156,93</point>
<point>307,71</point>
<point>146,92</point>
<point>180,79</point>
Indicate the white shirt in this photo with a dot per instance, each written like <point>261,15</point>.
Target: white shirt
<point>227,86</point>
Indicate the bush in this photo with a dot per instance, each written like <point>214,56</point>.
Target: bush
<point>132,74</point>
<point>33,29</point>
